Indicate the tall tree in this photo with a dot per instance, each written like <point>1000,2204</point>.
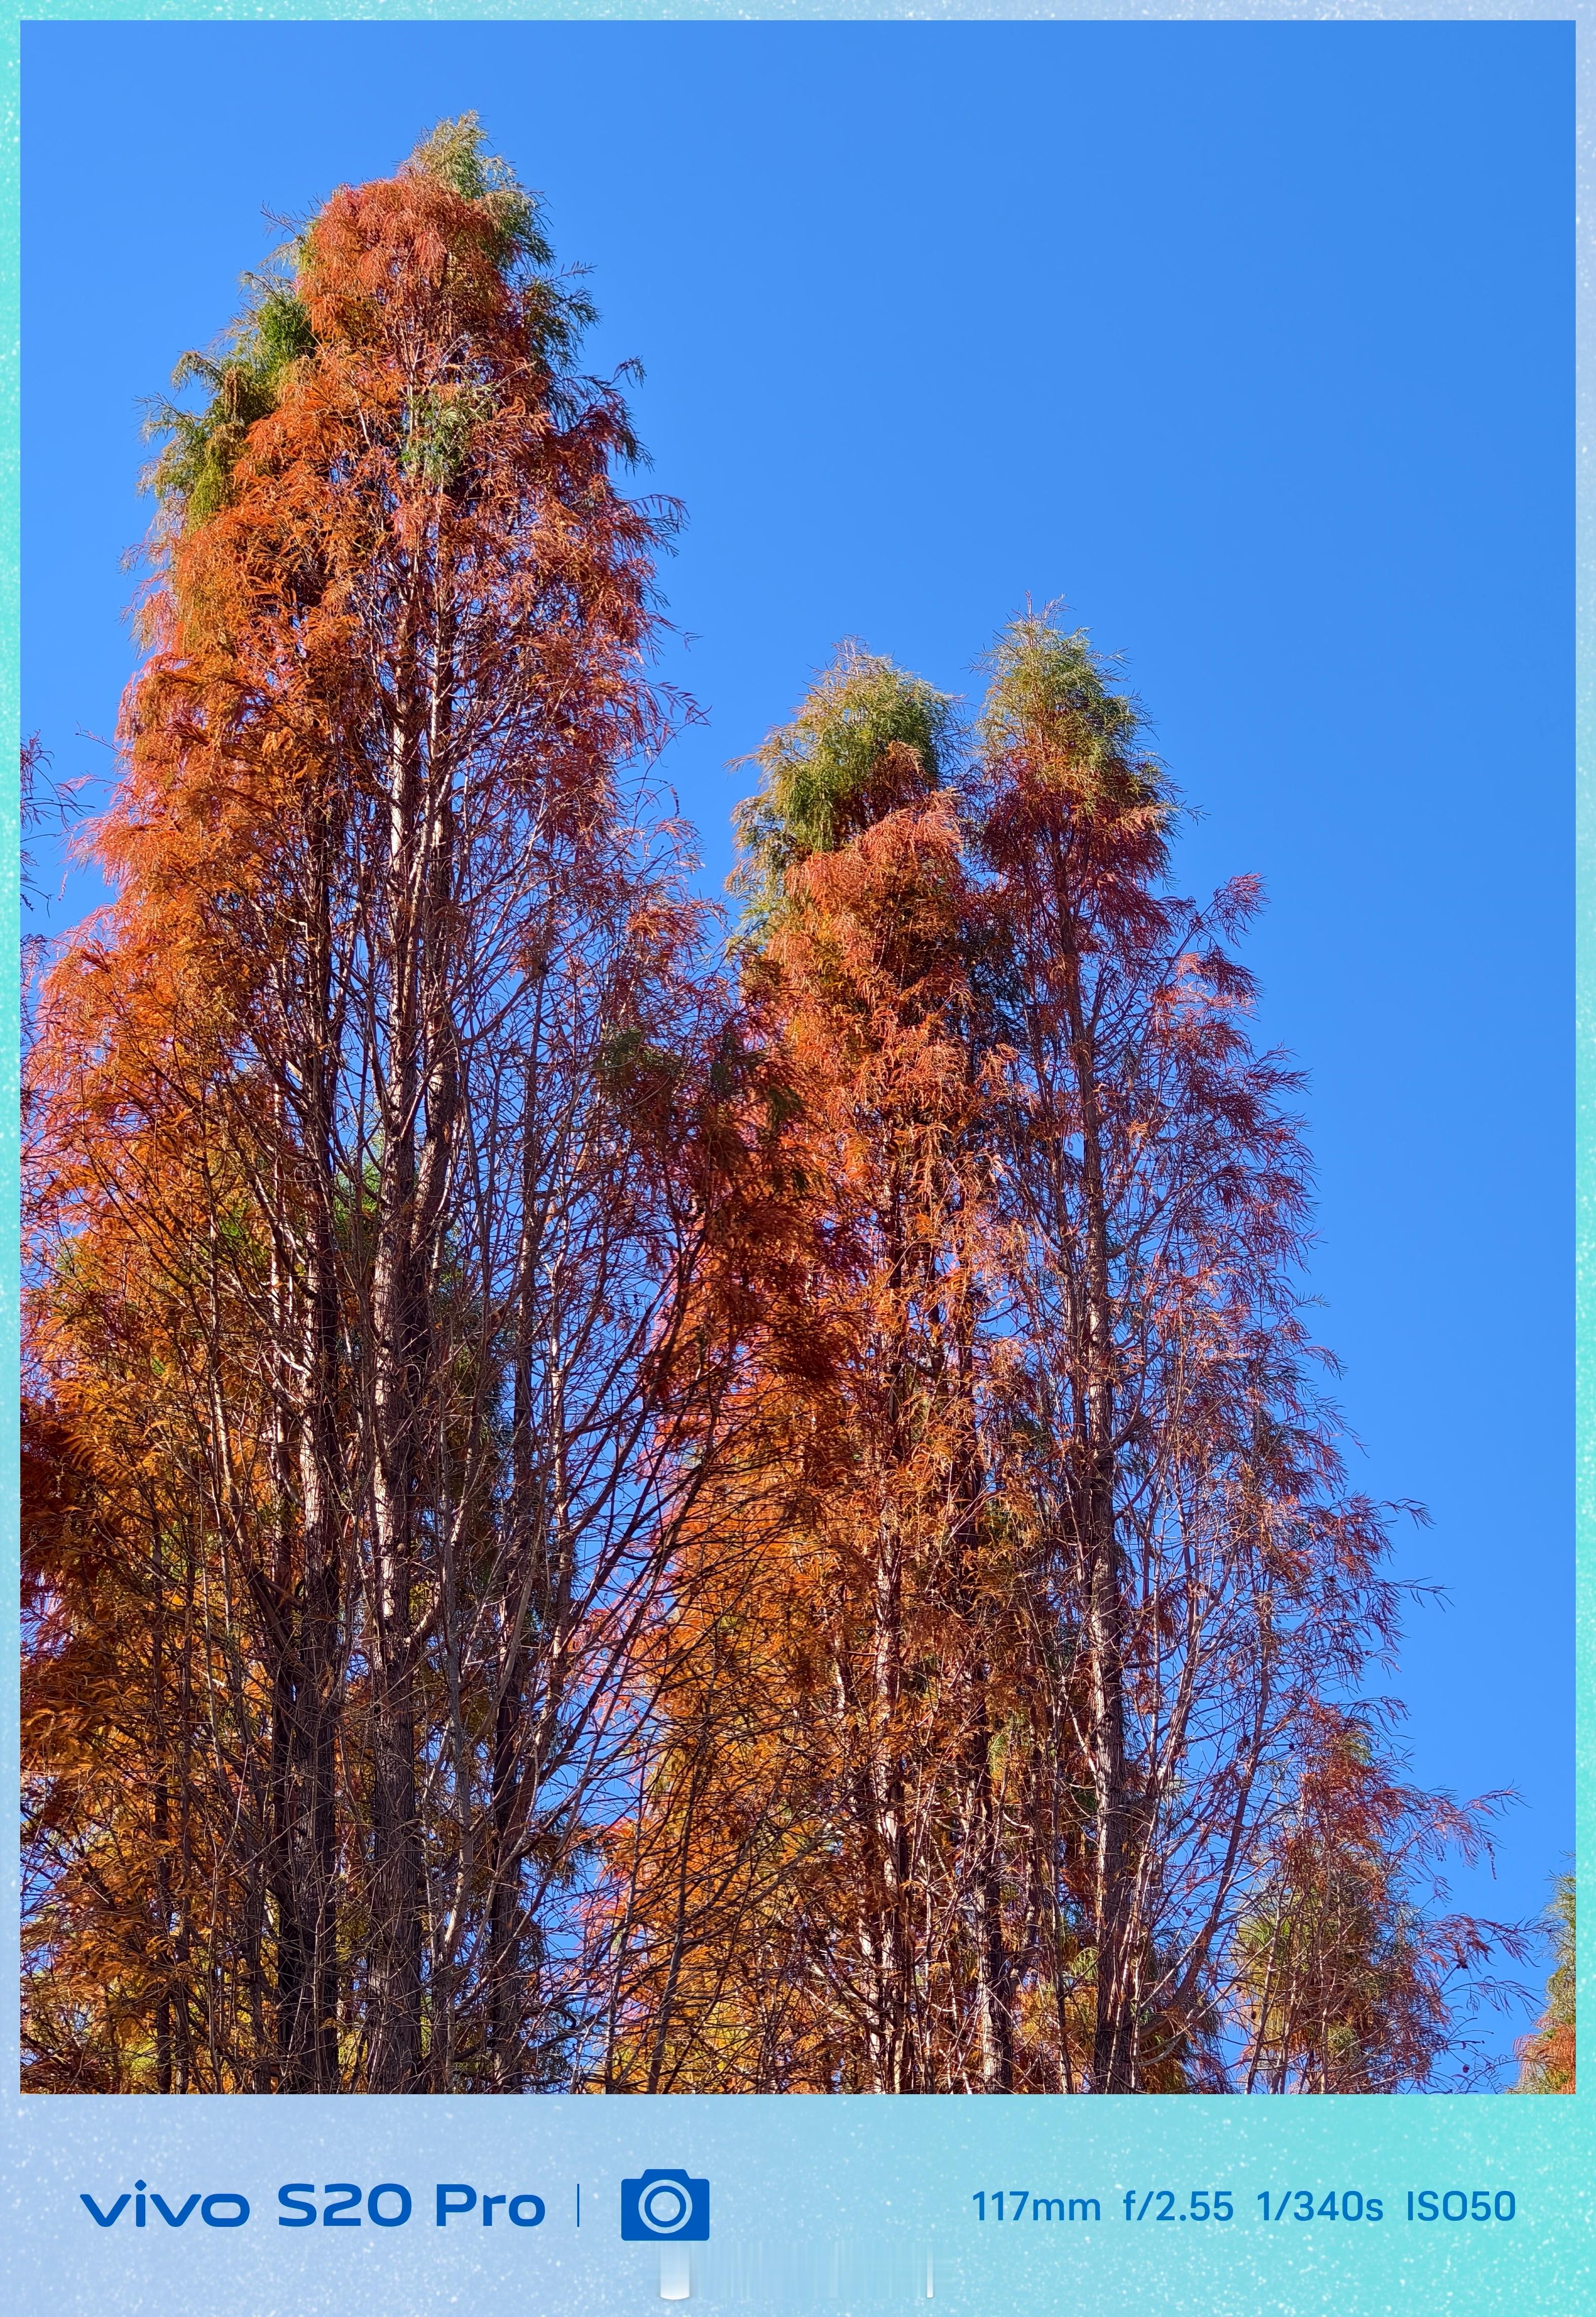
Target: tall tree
<point>1176,1456</point>
<point>829,1797</point>
<point>1007,1743</point>
<point>337,1126</point>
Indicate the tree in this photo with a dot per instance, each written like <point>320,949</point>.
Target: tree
<point>1347,1980</point>
<point>1547,2057</point>
<point>815,1883</point>
<point>1032,1698</point>
<point>347,1240</point>
<point>1174,1458</point>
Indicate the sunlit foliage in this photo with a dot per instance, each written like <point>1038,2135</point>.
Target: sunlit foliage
<point>601,1519</point>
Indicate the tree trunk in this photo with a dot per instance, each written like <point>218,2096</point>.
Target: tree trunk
<point>1114,2038</point>
<point>397,1356</point>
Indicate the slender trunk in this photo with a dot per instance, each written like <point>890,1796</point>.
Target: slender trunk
<point>160,1822</point>
<point>504,2006</point>
<point>512,1789</point>
<point>395,2056</point>
<point>994,1963</point>
<point>420,1101</point>
<point>895,2058</point>
<point>894,2064</point>
<point>321,1499</point>
<point>1114,2039</point>
<point>282,1881</point>
<point>280,1622</point>
<point>322,1658</point>
<point>183,1943</point>
<point>305,1594</point>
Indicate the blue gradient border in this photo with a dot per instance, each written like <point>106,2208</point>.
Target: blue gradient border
<point>818,2182</point>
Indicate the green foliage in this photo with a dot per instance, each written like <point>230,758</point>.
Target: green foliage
<point>455,153</point>
<point>1052,700</point>
<point>192,476</point>
<point>868,738</point>
<point>438,428</point>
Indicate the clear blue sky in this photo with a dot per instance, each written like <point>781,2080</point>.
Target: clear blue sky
<point>1254,343</point>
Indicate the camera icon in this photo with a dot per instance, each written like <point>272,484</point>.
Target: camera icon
<point>665,2207</point>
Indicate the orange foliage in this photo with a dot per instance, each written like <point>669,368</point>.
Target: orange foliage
<point>319,1097</point>
<point>981,1756</point>
<point>587,1532</point>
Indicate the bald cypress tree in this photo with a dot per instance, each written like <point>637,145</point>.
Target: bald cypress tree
<point>335,1130</point>
<point>1023,1746</point>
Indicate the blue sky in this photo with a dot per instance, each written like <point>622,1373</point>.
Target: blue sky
<point>1254,343</point>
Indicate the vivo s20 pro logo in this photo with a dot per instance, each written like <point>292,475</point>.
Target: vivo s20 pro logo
<point>388,2206</point>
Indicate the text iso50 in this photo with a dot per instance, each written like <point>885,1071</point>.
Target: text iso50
<point>1461,2204</point>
